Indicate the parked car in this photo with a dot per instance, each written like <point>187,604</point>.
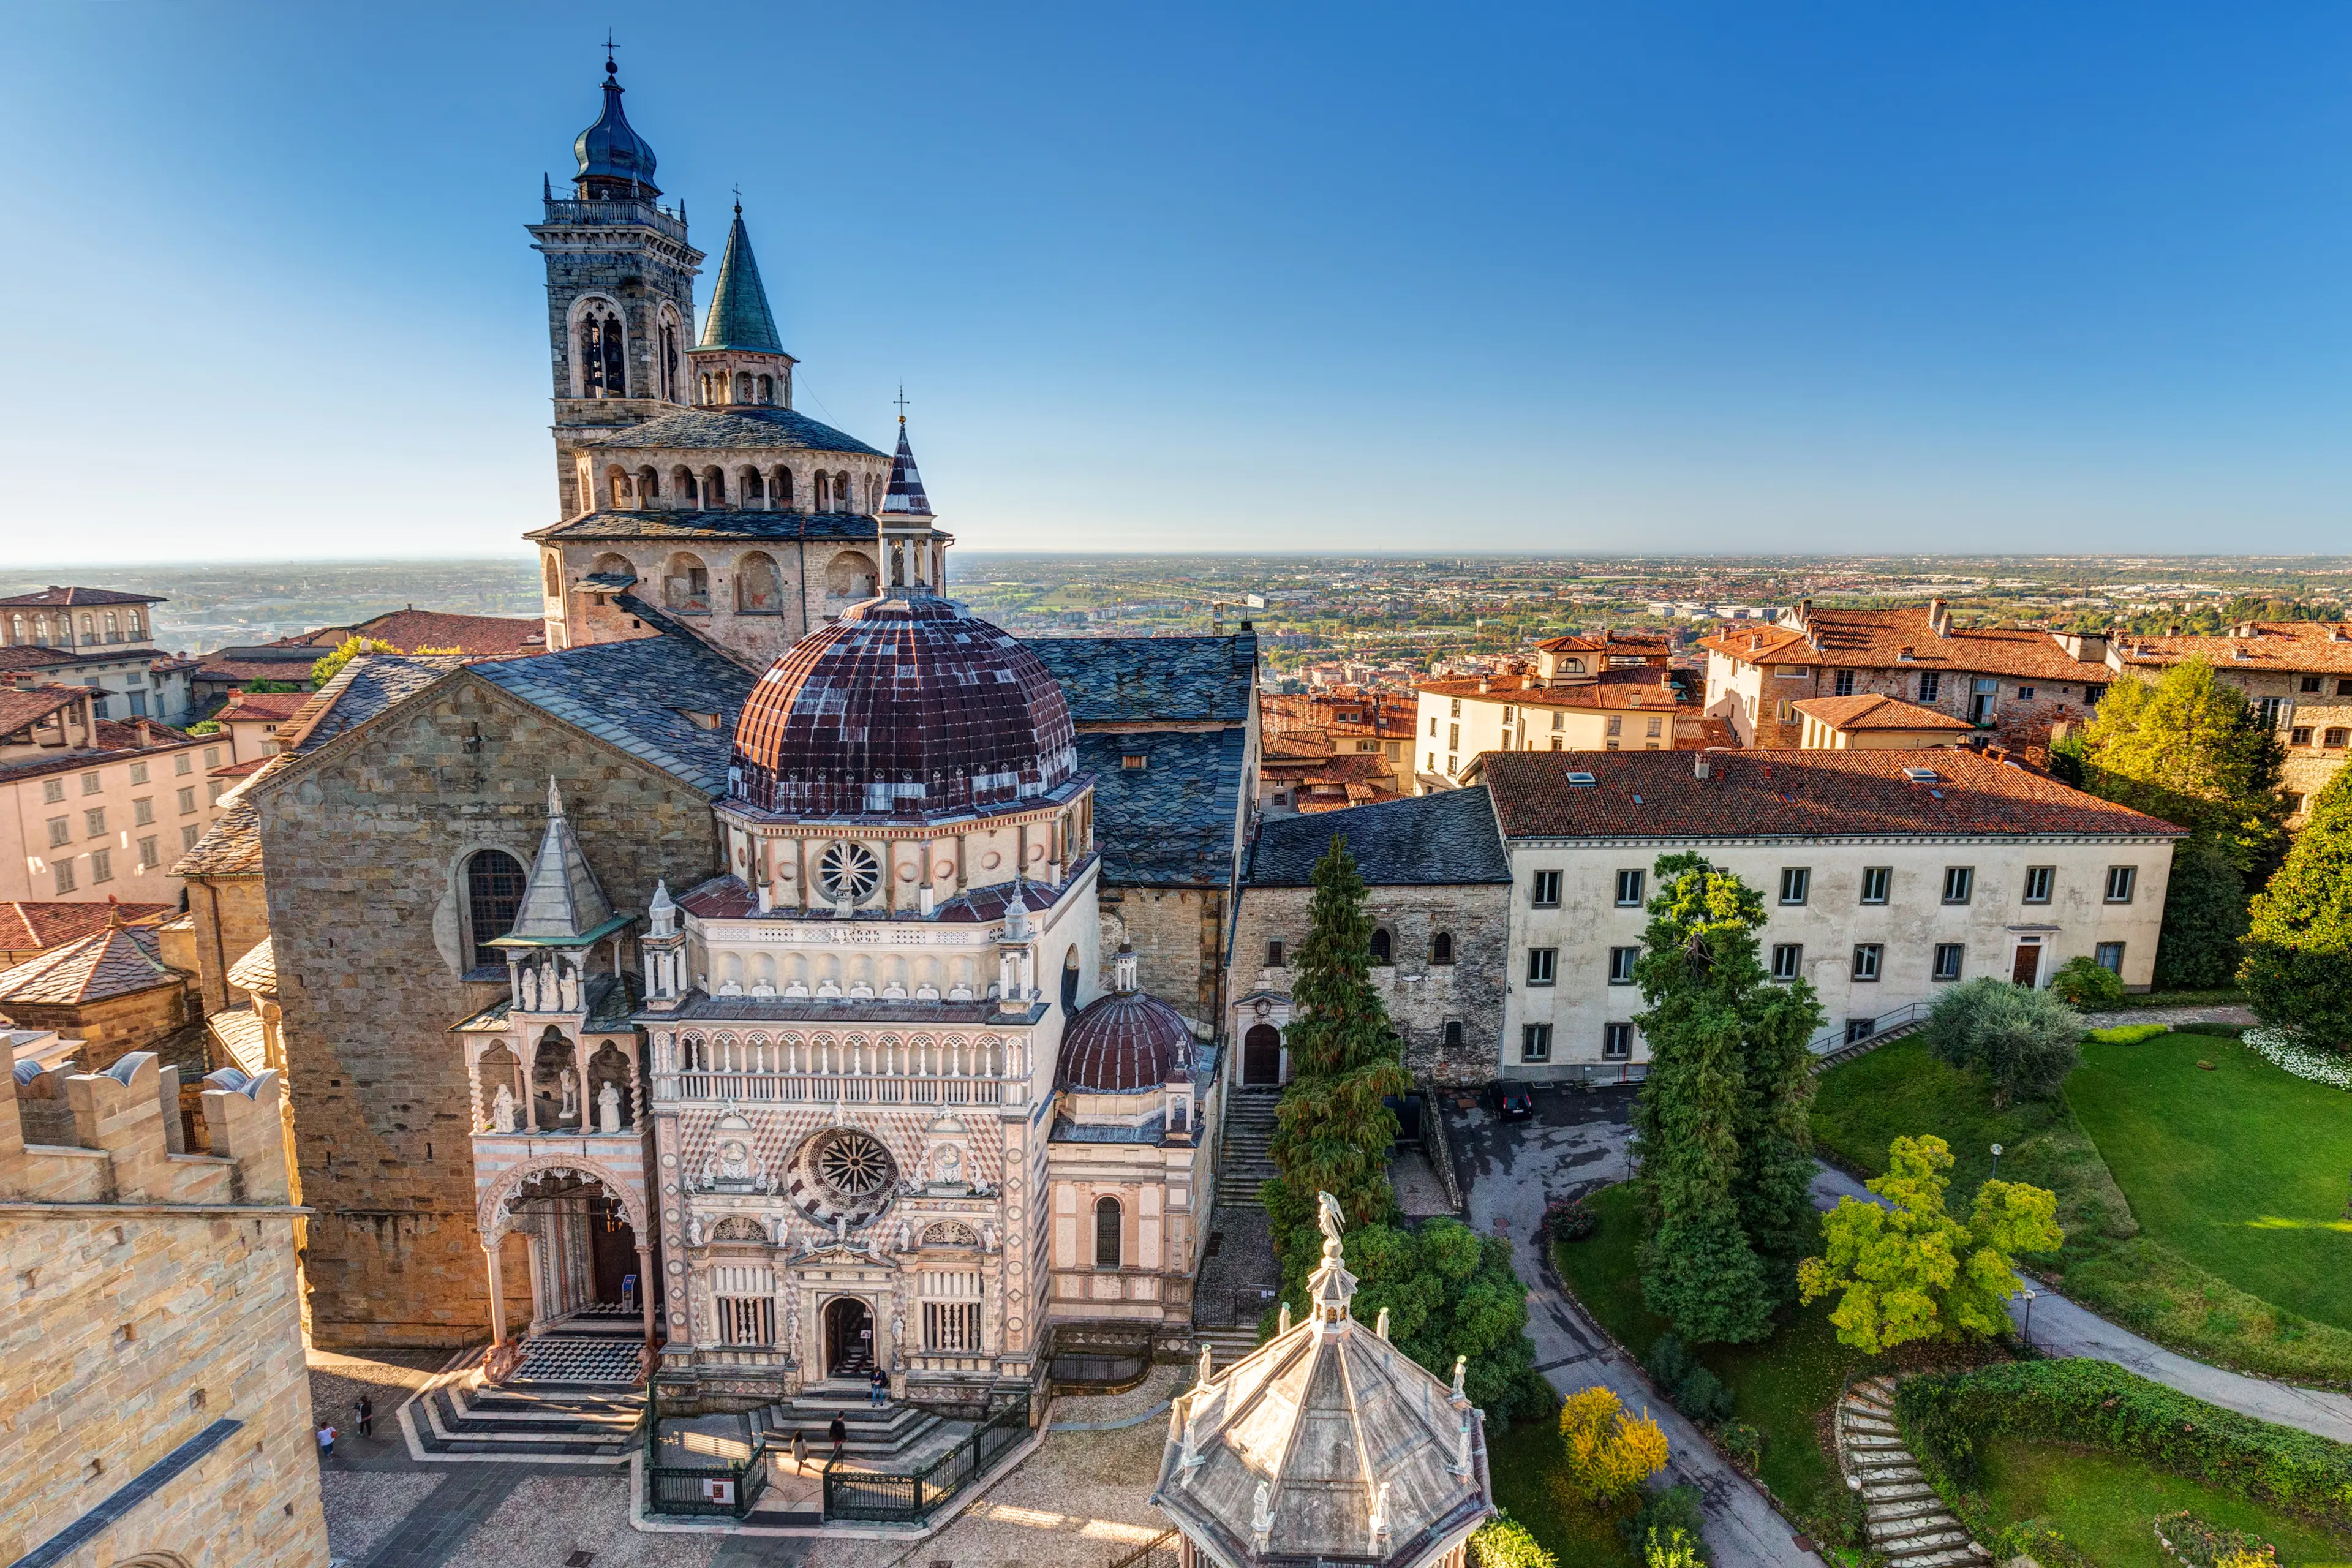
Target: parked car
<point>1511,1101</point>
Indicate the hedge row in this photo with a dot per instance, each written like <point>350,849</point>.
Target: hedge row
<point>2099,1404</point>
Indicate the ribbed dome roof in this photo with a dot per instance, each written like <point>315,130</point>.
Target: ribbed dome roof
<point>612,150</point>
<point>903,706</point>
<point>1124,1042</point>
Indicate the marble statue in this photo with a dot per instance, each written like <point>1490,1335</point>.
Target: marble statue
<point>571,1096</point>
<point>951,1165</point>
<point>608,1108</point>
<point>504,1111</point>
<point>527,986</point>
<point>569,985</point>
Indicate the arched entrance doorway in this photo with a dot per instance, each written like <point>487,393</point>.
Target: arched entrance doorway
<point>848,1337</point>
<point>1262,1056</point>
<point>589,1252</point>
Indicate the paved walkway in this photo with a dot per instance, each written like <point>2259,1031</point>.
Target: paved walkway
<point>1575,1144</point>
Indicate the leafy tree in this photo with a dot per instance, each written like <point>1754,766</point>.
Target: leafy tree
<point>1914,1272</point>
<point>1334,1132</point>
<point>2024,1041</point>
<point>261,686</point>
<point>2190,749</point>
<point>2298,967</point>
<point>1606,1452</point>
<point>2205,919</point>
<point>1676,1549</point>
<point>2084,982</point>
<point>1727,1161</point>
<point>1503,1543</point>
<point>349,648</point>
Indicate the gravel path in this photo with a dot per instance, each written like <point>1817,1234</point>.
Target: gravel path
<point>2241,1017</point>
<point>546,1519</point>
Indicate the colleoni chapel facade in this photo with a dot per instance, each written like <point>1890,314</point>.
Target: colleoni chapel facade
<point>774,914</point>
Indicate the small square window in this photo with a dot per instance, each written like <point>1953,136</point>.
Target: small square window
<point>138,773</point>
<point>1544,890</point>
<point>1866,956</point>
<point>1621,965</point>
<point>2332,737</point>
<point>1543,963</point>
<point>1535,1043</point>
<point>1959,882</point>
<point>2299,736</point>
<point>1875,880</point>
<point>1616,1042</point>
<point>1616,725</point>
<point>2110,957</point>
<point>2039,880</point>
<point>1841,683</point>
<point>1948,958</point>
<point>2121,880</point>
<point>1134,760</point>
<point>1788,961</point>
<point>91,783</point>
<point>1860,1029</point>
<point>2310,684</point>
<point>1796,882</point>
<point>1453,1031</point>
<point>53,790</point>
<point>1274,955</point>
<point>1629,889</point>
<point>2343,686</point>
<point>212,788</point>
<point>1458,708</point>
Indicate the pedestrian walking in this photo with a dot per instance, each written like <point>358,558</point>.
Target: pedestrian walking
<point>326,1441</point>
<point>800,1451</point>
<point>839,1433</point>
<point>365,1410</point>
<point>881,1385</point>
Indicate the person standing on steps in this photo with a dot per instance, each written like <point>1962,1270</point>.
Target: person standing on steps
<point>364,1412</point>
<point>800,1451</point>
<point>839,1433</point>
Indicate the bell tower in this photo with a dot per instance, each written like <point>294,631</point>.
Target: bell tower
<point>620,292</point>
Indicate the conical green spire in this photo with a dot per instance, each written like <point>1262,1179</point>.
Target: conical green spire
<point>739,316</point>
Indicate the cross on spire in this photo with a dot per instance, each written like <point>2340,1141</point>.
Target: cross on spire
<point>738,201</point>
<point>902,401</point>
<point>609,68</point>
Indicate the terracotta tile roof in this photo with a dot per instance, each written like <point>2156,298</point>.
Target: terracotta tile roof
<point>32,655</point>
<point>52,596</point>
<point>139,735</point>
<point>1876,640</point>
<point>1870,710</point>
<point>261,706</point>
<point>117,743</point>
<point>111,963</point>
<point>1789,794</point>
<point>25,924</point>
<point>241,769</point>
<point>24,705</point>
<point>231,847</point>
<point>2292,646</point>
<point>483,637</point>
<point>257,970</point>
<point>288,662</point>
<point>1629,643</point>
<point>1628,687</point>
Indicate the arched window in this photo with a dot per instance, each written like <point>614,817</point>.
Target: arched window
<point>767,389</point>
<point>603,367</point>
<point>1441,948</point>
<point>137,630</point>
<point>89,628</point>
<point>750,487</point>
<point>648,486</point>
<point>1106,1233</point>
<point>493,893</point>
<point>844,492</point>
<point>742,386</point>
<point>681,485</point>
<point>617,488</point>
<point>549,577</point>
<point>1572,666</point>
<point>113,628</point>
<point>783,489</point>
<point>1070,981</point>
<point>821,491</point>
<point>758,591</point>
<point>669,359</point>
<point>1384,946</point>
<point>686,585</point>
<point>16,629</point>
<point>714,486</point>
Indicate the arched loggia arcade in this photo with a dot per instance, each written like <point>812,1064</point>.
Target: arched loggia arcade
<point>586,1230</point>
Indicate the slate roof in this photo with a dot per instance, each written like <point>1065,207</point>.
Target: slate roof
<point>735,428</point>
<point>636,695</point>
<point>561,899</point>
<point>268,661</point>
<point>257,970</point>
<point>26,925</point>
<point>1789,794</point>
<point>784,526</point>
<point>1447,839</point>
<point>1872,711</point>
<point>231,847</point>
<point>116,962</point>
<point>359,690</point>
<point>1172,823</point>
<point>53,595</point>
<point>1115,680</point>
<point>739,316</point>
<point>905,497</point>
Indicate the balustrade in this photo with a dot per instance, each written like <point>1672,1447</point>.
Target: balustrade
<point>742,1086</point>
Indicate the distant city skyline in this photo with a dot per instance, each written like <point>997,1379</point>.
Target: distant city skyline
<point>1512,281</point>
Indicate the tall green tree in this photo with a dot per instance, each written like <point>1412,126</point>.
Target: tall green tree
<point>1333,1132</point>
<point>2205,918</point>
<point>1726,1157</point>
<point>2298,944</point>
<point>2190,749</point>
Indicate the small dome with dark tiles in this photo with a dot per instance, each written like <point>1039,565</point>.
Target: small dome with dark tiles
<point>614,161</point>
<point>904,706</point>
<point>1124,1042</point>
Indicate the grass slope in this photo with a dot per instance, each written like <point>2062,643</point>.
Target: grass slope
<point>2242,1169</point>
<point>2104,1505</point>
<point>2107,1264</point>
<point>1519,1460</point>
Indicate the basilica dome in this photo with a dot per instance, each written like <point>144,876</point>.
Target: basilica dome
<point>1124,1042</point>
<point>903,707</point>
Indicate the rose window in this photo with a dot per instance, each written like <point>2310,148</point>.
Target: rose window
<point>847,872</point>
<point>855,1165</point>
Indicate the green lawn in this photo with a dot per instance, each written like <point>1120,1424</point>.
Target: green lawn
<point>2243,1170</point>
<point>1777,1386</point>
<point>2106,1505</point>
<point>1519,1460</point>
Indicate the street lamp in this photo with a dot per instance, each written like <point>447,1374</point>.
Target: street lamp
<point>1996,1163</point>
<point>2029,1314</point>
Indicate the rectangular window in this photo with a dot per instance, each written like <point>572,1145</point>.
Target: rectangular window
<point>187,800</point>
<point>1655,727</point>
<point>93,822</point>
<point>2093,694</point>
<point>1535,1043</point>
<point>1841,683</point>
<point>142,810</point>
<point>1559,721</point>
<point>181,764</point>
<point>101,865</point>
<point>1555,742</point>
<point>1866,956</point>
<point>1859,1029</point>
<point>149,856</point>
<point>60,832</point>
<point>2121,880</point>
<point>1931,684</point>
<point>212,788</point>
<point>1788,961</point>
<point>1454,737</point>
<point>212,756</point>
<point>64,871</point>
<point>91,783</point>
<point>1621,965</point>
<point>2334,737</point>
<point>1542,963</point>
<point>1948,955</point>
<point>1616,725</point>
<point>1959,882</point>
<point>138,702</point>
<point>1432,726</point>
<point>1796,882</point>
<point>1544,890</point>
<point>2110,957</point>
<point>1875,880</point>
<point>2310,683</point>
<point>2039,880</point>
<point>1506,715</point>
<point>189,835</point>
<point>138,773</point>
<point>1452,764</point>
<point>1629,889</point>
<point>1274,955</point>
<point>2274,711</point>
<point>2025,694</point>
<point>2299,736</point>
<point>951,1326</point>
<point>53,790</point>
<point>2343,686</point>
<point>1616,1042</point>
<point>747,1319</point>
<point>1458,708</point>
<point>1453,1031</point>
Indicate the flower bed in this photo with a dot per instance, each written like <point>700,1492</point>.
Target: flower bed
<point>2280,1050</point>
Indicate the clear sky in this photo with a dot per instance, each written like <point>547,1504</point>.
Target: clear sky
<point>1737,277</point>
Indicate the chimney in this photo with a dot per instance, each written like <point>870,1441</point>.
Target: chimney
<point>1699,765</point>
<point>1939,617</point>
<point>1485,684</point>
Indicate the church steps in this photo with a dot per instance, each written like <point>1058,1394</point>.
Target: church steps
<point>457,1422</point>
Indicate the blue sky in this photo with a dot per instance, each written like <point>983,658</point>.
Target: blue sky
<point>1706,278</point>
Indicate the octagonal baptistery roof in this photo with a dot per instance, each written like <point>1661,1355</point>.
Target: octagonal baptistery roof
<point>904,706</point>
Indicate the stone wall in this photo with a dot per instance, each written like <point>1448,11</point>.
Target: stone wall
<point>1422,996</point>
<point>367,913</point>
<point>112,1026</point>
<point>229,915</point>
<point>1179,934</point>
<point>137,1325</point>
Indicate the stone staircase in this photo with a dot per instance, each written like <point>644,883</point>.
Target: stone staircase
<point>874,1432</point>
<point>1229,1344</point>
<point>1247,1162</point>
<point>1908,1523</point>
<point>543,1422</point>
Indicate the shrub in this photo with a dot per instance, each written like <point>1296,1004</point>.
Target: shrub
<point>1503,1543</point>
<point>2127,1034</point>
<point>1744,1442</point>
<point>1676,1508</point>
<point>2098,1404</point>
<point>2203,1545</point>
<point>2022,1039</point>
<point>1569,1219</point>
<point>1667,1364</point>
<point>1676,1548</point>
<point>2086,982</point>
<point>1606,1452</point>
<point>2037,1541</point>
<point>2298,968</point>
<point>1702,1396</point>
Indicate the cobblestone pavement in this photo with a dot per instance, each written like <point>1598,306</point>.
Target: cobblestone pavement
<point>364,1505</point>
<point>1418,1190</point>
<point>1079,1500</point>
<point>1234,1283</point>
<point>541,1522</point>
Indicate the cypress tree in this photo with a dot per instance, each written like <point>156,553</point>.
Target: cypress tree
<point>2298,968</point>
<point>1727,1161</point>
